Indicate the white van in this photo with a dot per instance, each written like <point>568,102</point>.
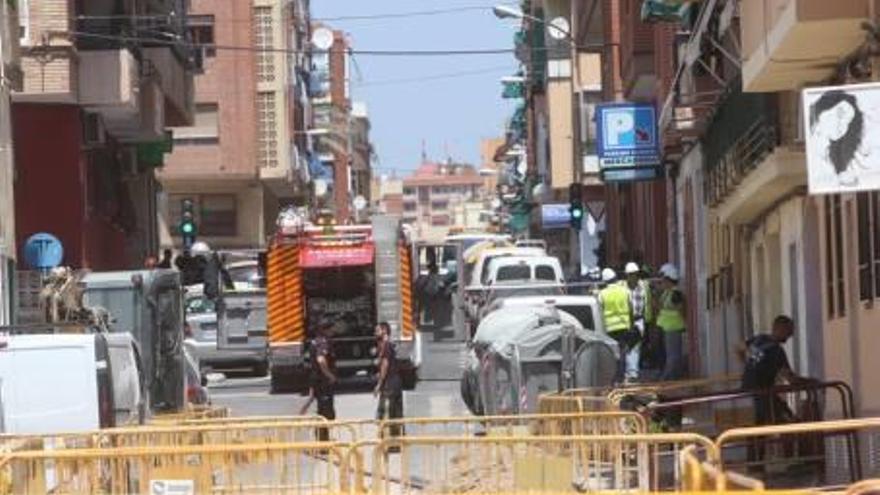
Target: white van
<point>52,383</point>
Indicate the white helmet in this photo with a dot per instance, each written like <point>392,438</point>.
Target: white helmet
<point>608,275</point>
<point>200,247</point>
<point>631,268</point>
<point>669,271</point>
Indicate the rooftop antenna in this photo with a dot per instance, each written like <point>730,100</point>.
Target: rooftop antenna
<point>424,152</point>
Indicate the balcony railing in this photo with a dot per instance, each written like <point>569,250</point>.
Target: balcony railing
<point>743,133</point>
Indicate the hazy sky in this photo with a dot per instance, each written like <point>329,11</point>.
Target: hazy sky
<point>448,113</point>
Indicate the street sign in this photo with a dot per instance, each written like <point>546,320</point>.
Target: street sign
<point>359,203</point>
<point>631,174</point>
<point>627,136</point>
<point>43,251</point>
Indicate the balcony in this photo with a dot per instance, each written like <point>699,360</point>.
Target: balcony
<point>176,81</point>
<point>110,85</point>
<point>787,43</point>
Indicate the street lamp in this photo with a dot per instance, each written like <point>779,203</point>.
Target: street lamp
<point>314,132</point>
<point>558,28</point>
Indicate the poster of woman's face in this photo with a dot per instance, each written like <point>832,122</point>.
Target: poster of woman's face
<point>842,129</point>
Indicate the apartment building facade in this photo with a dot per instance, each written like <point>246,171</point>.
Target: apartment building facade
<point>246,154</point>
<point>102,81</point>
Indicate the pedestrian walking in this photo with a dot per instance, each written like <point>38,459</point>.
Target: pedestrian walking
<point>640,302</point>
<point>617,315</point>
<point>323,372</point>
<point>670,319</point>
<point>389,386</point>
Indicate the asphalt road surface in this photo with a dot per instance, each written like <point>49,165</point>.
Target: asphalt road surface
<point>436,395</point>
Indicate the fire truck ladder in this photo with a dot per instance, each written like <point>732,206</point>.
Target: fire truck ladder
<point>385,239</point>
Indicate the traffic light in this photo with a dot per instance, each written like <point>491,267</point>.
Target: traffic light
<point>576,206</point>
<point>187,225</point>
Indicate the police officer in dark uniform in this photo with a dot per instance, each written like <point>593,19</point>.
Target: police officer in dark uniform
<point>323,373</point>
<point>389,385</point>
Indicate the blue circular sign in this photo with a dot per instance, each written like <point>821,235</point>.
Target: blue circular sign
<point>43,251</point>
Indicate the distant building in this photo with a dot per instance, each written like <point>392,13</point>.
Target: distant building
<point>387,194</point>
<point>441,196</point>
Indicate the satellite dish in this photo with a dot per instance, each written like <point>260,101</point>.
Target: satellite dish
<point>360,203</point>
<point>496,203</point>
<point>559,28</point>
<point>538,190</point>
<point>320,187</point>
<point>322,38</point>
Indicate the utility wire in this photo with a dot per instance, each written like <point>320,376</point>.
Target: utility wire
<point>435,77</point>
<point>350,51</point>
<point>386,15</point>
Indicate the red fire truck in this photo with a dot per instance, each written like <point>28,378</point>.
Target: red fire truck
<point>354,275</point>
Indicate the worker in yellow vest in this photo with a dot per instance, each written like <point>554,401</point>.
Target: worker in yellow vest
<point>670,319</point>
<point>617,315</point>
<point>642,312</point>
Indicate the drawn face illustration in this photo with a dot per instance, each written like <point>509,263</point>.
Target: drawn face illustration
<point>834,122</point>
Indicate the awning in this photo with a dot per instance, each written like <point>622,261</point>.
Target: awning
<point>336,256</point>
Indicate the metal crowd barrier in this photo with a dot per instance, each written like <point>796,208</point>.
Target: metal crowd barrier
<point>577,423</point>
<point>699,475</point>
<point>193,413</point>
<point>249,419</point>
<point>712,413</point>
<point>313,468</point>
<point>827,454</point>
<point>440,465</point>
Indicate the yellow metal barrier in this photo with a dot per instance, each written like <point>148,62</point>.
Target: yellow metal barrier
<point>577,423</point>
<point>699,475</point>
<point>249,419</point>
<point>193,413</point>
<point>865,487</point>
<point>293,468</point>
<point>824,454</point>
<point>530,464</point>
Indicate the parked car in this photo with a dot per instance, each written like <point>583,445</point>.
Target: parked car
<point>201,316</point>
<point>51,383</point>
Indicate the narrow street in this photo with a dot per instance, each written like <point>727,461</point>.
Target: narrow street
<point>436,395</point>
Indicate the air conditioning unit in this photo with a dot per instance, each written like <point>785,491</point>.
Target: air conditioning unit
<point>94,133</point>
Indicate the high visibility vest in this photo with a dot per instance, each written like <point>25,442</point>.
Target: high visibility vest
<point>669,318</point>
<point>615,308</point>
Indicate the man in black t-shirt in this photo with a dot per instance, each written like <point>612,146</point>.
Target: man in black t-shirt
<point>765,363</point>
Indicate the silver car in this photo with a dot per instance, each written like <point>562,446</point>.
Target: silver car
<point>201,318</point>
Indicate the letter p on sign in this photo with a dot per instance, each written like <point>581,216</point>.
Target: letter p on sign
<point>621,126</point>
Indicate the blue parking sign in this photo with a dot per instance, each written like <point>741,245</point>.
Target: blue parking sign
<point>627,135</point>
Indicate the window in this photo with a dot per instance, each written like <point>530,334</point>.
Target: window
<point>199,305</point>
<point>267,130</point>
<point>263,41</point>
<point>201,33</point>
<point>409,206</point>
<point>513,272</point>
<point>440,220</point>
<point>545,272</point>
<point>439,205</point>
<point>868,206</point>
<point>24,22</point>
<point>835,286</point>
<point>218,215</point>
<point>409,191</point>
<point>205,128</point>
